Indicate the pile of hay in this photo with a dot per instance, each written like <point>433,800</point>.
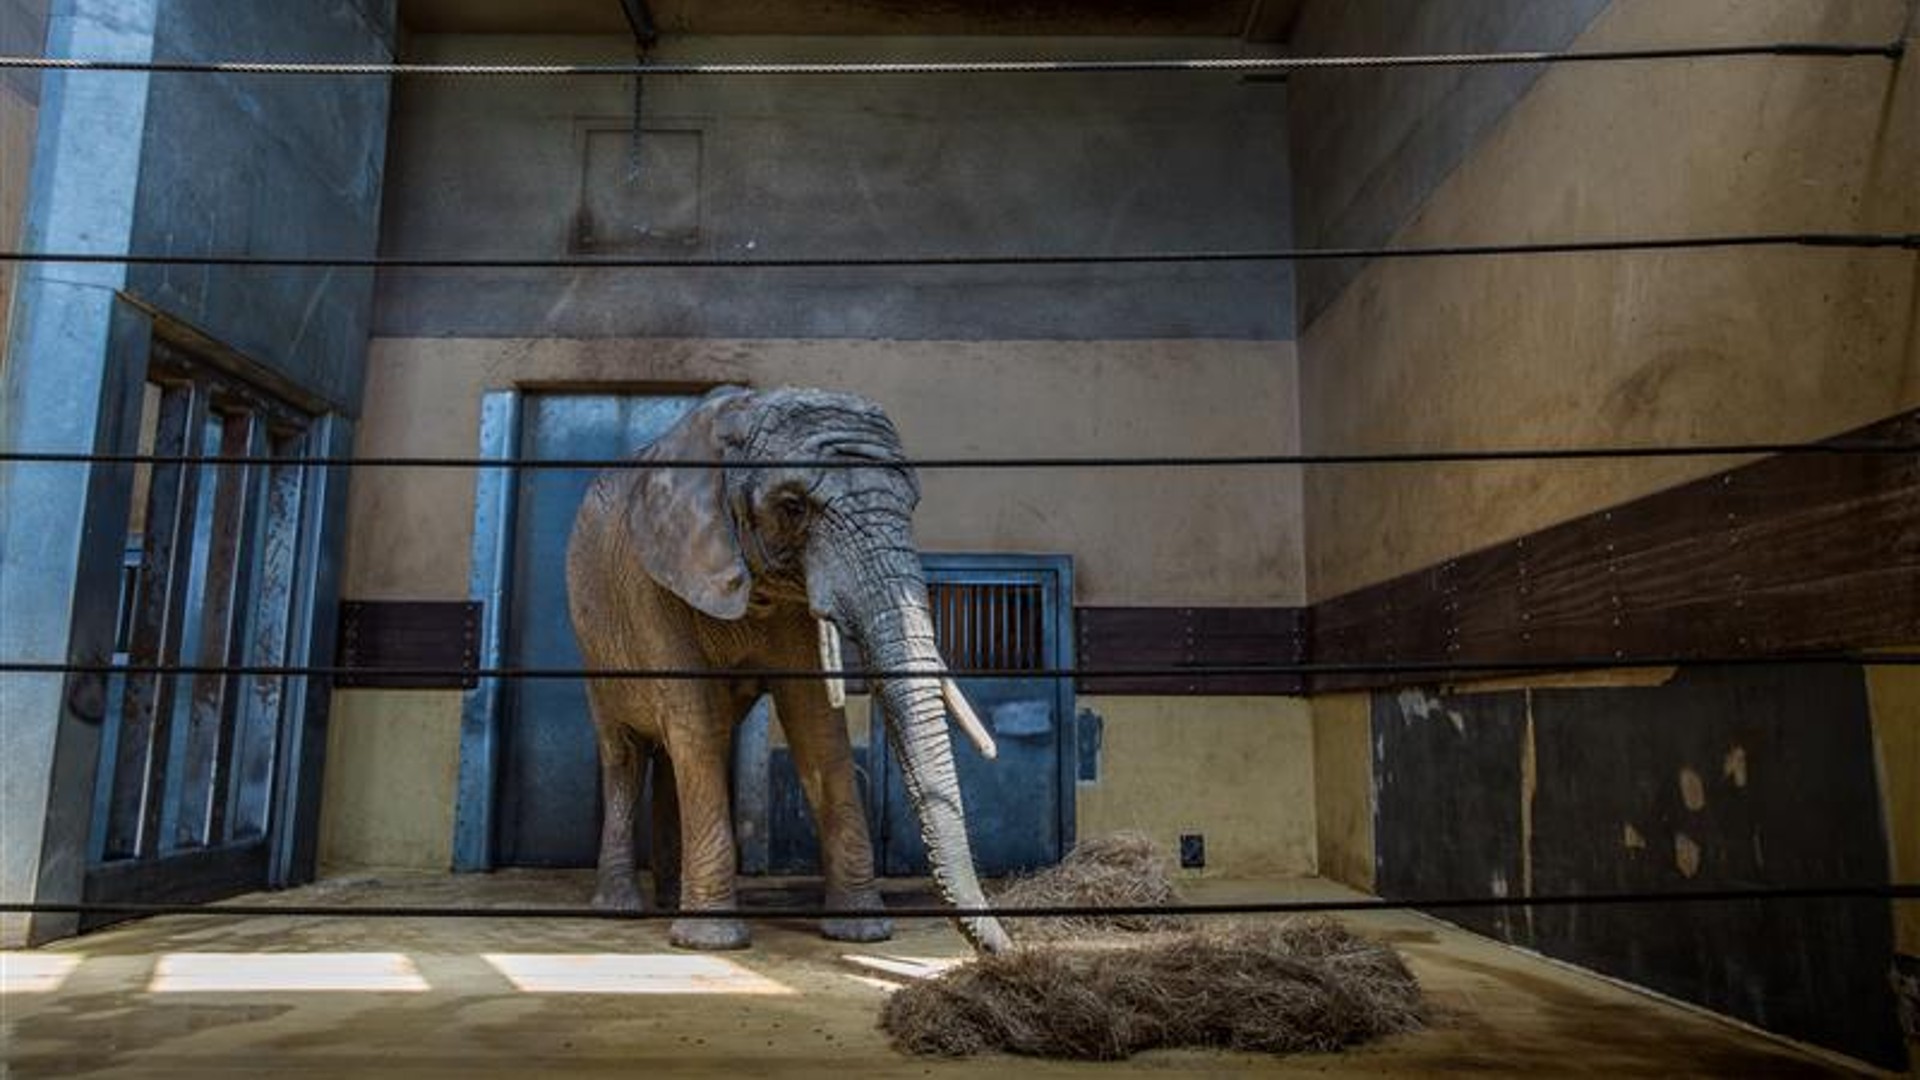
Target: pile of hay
<point>1301,985</point>
<point>1122,870</point>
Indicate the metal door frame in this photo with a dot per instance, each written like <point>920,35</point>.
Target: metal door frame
<point>289,514</point>
<point>490,582</point>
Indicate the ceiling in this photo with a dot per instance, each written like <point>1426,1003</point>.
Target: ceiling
<point>1257,20</point>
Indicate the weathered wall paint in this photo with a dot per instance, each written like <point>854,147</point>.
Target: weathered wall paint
<point>1343,788</point>
<point>1137,536</point>
<point>1359,183</point>
<point>1622,349</point>
<point>1895,695</point>
<point>1237,770</point>
<point>248,165</point>
<point>393,759</point>
<point>772,167</point>
<point>1702,782</point>
<point>1602,350</point>
<point>1152,537</point>
<point>23,32</point>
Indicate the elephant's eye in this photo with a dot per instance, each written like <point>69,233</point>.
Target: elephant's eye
<point>792,507</point>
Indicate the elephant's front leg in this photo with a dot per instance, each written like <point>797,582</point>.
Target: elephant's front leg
<point>702,755</point>
<point>817,739</point>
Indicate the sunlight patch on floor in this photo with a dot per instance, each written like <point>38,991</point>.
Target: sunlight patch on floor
<point>232,973</point>
<point>646,973</point>
<point>35,973</point>
<point>909,967</point>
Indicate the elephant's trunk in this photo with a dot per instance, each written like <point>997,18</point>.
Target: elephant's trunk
<point>895,629</point>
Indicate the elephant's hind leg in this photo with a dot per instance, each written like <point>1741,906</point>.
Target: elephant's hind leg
<point>702,760</point>
<point>665,857</point>
<point>621,762</point>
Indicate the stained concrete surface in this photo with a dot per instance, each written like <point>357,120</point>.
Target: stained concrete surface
<point>143,1000</point>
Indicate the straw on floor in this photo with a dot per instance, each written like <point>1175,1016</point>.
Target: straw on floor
<point>1108,987</point>
<point>1126,869</point>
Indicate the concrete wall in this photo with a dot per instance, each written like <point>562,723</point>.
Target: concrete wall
<point>1766,344</point>
<point>23,32</point>
<point>1343,788</point>
<point>1057,361</point>
<point>1895,697</point>
<point>1137,538</point>
<point>268,166</point>
<point>1237,771</point>
<point>772,167</point>
<point>1631,348</point>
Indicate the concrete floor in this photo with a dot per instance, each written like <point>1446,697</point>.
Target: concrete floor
<point>518,997</point>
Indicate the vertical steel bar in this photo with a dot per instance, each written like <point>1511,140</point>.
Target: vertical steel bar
<point>241,517</point>
<point>162,809</point>
<point>140,749</point>
<point>257,728</point>
<point>208,729</point>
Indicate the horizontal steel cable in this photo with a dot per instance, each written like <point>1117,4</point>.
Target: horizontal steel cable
<point>1835,448</point>
<point>1833,240</point>
<point>1900,891</point>
<point>1382,667</point>
<point>1889,50</point>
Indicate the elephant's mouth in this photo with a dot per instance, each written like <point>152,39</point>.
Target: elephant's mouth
<point>959,709</point>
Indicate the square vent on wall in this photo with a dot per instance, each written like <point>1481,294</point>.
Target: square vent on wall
<point>630,205</point>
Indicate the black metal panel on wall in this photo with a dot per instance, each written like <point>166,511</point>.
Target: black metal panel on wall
<point>1117,638</point>
<point>1447,800</point>
<point>382,637</point>
<point>1717,778</point>
<point>1720,779</point>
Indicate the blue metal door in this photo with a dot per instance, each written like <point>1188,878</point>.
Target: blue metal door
<point>1002,615</point>
<point>549,792</point>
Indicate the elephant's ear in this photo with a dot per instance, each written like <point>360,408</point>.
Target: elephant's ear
<point>679,517</point>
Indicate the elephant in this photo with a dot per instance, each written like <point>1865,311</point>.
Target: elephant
<point>745,567</point>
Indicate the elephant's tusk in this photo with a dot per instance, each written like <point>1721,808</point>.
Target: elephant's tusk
<point>830,661</point>
<point>964,715</point>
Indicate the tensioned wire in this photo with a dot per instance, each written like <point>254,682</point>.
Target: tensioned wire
<point>1897,891</point>
<point>1828,240</point>
<point>1890,50</point>
<point>1859,658</point>
<point>1834,448</point>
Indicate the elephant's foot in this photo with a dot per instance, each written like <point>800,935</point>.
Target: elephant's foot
<point>617,892</point>
<point>710,934</point>
<point>876,927</point>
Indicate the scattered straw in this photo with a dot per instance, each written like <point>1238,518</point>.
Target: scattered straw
<point>1122,870</point>
<point>1299,985</point>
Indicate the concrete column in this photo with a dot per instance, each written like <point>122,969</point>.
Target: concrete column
<point>77,358</point>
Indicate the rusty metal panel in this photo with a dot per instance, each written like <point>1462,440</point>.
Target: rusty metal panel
<point>140,750</point>
<point>261,700</point>
<point>410,634</point>
<point>222,600</point>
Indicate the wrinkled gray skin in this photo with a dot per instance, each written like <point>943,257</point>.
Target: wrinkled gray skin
<point>705,568</point>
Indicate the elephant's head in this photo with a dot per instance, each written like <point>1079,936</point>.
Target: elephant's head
<point>839,540</point>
